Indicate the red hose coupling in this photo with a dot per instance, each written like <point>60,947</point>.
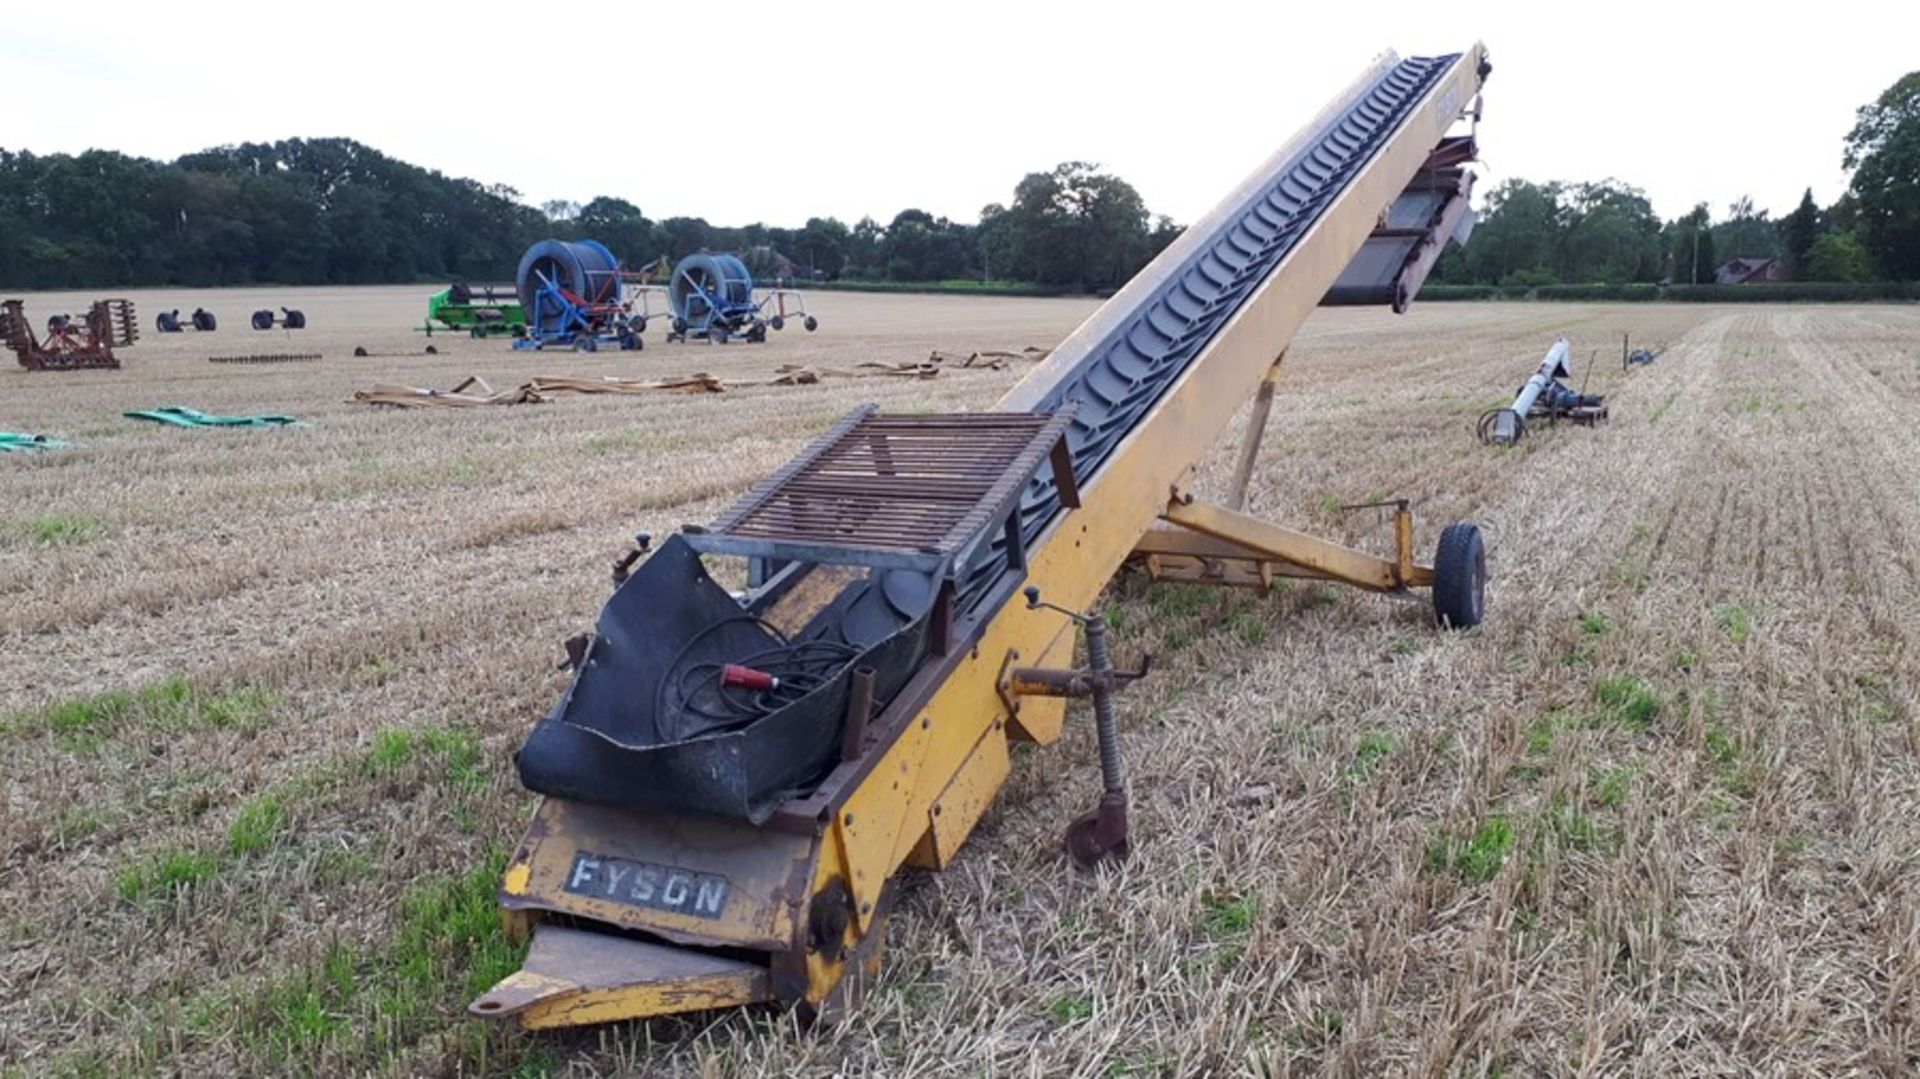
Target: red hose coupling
<point>732,674</point>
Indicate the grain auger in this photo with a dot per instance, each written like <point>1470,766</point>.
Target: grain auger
<point>738,771</point>
<point>1544,397</point>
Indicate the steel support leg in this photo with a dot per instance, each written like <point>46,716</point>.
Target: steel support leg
<point>1256,430</point>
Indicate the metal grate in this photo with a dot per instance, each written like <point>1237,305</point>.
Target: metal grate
<point>887,490</point>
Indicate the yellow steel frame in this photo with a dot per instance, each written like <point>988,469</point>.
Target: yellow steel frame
<point>915,796</point>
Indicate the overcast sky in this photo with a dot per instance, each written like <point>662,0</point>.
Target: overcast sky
<point>800,109</point>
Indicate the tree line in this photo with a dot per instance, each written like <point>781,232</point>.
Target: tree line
<point>332,211</point>
<point>1607,233</point>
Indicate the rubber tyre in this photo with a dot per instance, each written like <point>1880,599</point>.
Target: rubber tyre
<point>778,323</point>
<point>204,321</point>
<point>296,318</point>
<point>585,344</point>
<point>167,322</point>
<point>629,342</point>
<point>811,324</point>
<point>1460,577</point>
<point>262,320</point>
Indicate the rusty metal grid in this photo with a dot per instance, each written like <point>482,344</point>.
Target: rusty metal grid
<point>890,490</point>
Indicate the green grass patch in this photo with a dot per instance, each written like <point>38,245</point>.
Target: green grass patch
<point>354,1006</point>
<point>259,823</point>
<point>59,529</point>
<point>454,750</point>
<point>1373,747</point>
<point>1571,828</point>
<point>1720,744</point>
<point>1474,857</point>
<point>164,875</point>
<point>1734,621</point>
<point>1227,920</point>
<point>1248,627</point>
<point>1613,788</point>
<point>1594,624</point>
<point>171,707</point>
<point>1321,1033</point>
<point>1542,731</point>
<point>1227,917</point>
<point>450,941</point>
<point>1070,1008</point>
<point>1628,702</point>
<point>1178,600</point>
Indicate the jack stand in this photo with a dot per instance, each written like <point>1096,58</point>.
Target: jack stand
<point>1101,833</point>
<point>1256,432</point>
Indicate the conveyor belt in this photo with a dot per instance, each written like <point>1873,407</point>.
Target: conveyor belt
<point>1128,371</point>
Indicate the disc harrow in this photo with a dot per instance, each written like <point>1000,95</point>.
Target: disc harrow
<point>71,344</point>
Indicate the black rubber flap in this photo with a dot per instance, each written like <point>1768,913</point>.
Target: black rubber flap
<point>605,743</point>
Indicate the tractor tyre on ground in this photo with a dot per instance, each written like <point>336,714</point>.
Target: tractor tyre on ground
<point>296,318</point>
<point>1460,577</point>
<point>262,320</point>
<point>203,320</point>
<point>167,322</point>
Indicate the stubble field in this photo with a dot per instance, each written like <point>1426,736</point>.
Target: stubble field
<point>259,692</point>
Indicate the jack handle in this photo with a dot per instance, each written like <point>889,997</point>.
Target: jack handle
<point>623,566</point>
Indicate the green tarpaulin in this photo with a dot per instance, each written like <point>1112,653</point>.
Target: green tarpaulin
<point>181,416</point>
<point>13,443</point>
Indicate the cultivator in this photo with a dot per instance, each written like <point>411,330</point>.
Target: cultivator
<point>70,345</point>
<point>733,781</point>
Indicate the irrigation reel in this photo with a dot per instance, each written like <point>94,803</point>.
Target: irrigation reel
<point>571,293</point>
<point>712,296</point>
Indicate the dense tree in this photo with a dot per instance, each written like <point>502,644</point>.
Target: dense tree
<point>821,246</point>
<point>332,211</point>
<point>1516,239</point>
<point>1076,226</point>
<point>1799,231</point>
<point>1611,235</point>
<point>1690,247</point>
<point>1883,149</point>
<point>622,227</point>
<point>1746,233</point>
<point>1838,256</point>
<point>920,247</point>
